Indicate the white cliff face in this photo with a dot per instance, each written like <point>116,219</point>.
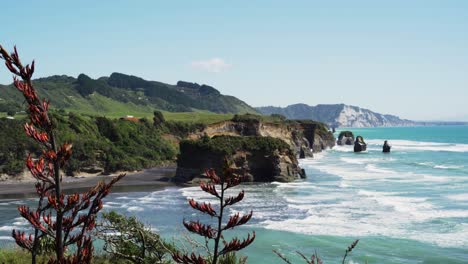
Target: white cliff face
<point>352,116</point>
<point>338,115</point>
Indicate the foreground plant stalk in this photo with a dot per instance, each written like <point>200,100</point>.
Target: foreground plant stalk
<point>226,181</point>
<point>67,219</point>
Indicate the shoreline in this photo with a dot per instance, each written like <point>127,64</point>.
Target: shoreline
<point>147,179</point>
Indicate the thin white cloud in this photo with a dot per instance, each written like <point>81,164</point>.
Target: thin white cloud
<point>215,65</point>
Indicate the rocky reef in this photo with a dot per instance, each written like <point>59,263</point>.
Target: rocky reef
<point>261,159</point>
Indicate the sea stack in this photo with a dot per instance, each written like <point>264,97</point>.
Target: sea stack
<point>359,144</point>
<point>386,147</point>
<point>345,138</point>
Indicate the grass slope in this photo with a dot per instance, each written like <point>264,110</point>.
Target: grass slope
<point>121,95</point>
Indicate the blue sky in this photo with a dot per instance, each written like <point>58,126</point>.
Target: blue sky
<point>408,58</point>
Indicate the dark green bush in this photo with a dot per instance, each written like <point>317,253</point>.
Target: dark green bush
<point>227,145</point>
<point>247,118</point>
<point>97,142</point>
<point>126,238</point>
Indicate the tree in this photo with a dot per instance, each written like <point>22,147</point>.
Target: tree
<point>225,182</point>
<point>67,219</point>
<point>11,113</point>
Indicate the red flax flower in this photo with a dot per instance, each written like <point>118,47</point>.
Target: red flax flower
<point>67,219</point>
<point>217,187</point>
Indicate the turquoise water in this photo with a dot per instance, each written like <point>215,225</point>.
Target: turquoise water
<point>409,206</point>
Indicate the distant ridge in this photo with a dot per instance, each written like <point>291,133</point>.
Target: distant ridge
<point>122,93</point>
<point>337,115</point>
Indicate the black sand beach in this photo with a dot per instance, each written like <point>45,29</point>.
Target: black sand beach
<point>149,179</point>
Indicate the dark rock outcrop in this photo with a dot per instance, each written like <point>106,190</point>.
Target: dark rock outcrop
<point>263,159</point>
<point>360,145</point>
<point>317,134</point>
<point>345,138</point>
<point>302,153</point>
<point>386,147</point>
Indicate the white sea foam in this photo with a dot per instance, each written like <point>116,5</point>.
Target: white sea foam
<point>353,160</point>
<point>375,169</point>
<point>110,205</point>
<point>458,197</point>
<point>148,199</point>
<point>360,160</point>
<point>448,167</point>
<point>7,228</point>
<point>123,198</point>
<point>343,148</point>
<point>369,213</point>
<point>377,173</point>
<point>6,238</point>
<point>353,207</point>
<point>420,145</point>
<point>21,222</point>
<point>135,209</point>
<point>319,155</point>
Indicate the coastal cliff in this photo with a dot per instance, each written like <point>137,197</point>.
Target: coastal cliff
<point>267,151</point>
<point>260,159</point>
<point>337,115</point>
<point>308,136</point>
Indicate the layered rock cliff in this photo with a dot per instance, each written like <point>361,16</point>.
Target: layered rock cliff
<point>267,151</point>
<point>307,135</point>
<point>261,159</point>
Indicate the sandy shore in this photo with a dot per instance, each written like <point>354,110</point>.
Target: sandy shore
<point>149,179</point>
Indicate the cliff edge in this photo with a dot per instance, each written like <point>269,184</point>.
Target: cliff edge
<point>261,159</point>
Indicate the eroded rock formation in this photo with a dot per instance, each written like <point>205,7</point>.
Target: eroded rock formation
<point>345,138</point>
<point>262,159</point>
<point>309,136</point>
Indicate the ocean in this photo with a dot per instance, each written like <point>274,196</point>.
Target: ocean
<point>408,206</point>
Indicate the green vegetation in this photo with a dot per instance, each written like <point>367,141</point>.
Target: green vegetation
<point>228,145</point>
<point>13,145</point>
<point>346,134</point>
<point>247,118</point>
<point>274,118</point>
<point>126,238</point>
<point>197,117</point>
<point>17,256</point>
<point>322,128</point>
<point>121,95</point>
<point>98,142</point>
<point>110,144</point>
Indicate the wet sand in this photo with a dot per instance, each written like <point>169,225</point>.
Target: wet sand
<point>145,180</point>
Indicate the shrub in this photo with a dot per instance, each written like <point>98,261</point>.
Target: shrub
<point>126,238</point>
<point>227,145</point>
<point>158,118</point>
<point>248,118</point>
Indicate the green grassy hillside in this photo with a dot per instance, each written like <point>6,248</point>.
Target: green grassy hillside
<point>121,95</point>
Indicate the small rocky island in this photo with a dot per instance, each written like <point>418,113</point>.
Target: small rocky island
<point>345,138</point>
<point>266,151</point>
<point>360,145</point>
